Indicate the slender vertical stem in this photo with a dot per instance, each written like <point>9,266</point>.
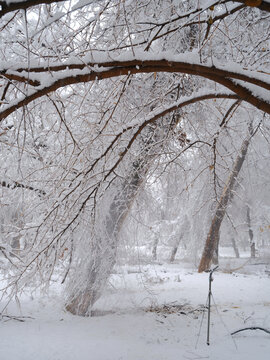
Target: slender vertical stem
<point>209,309</point>
<point>209,303</point>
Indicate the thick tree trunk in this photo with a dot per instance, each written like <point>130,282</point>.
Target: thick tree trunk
<point>102,256</point>
<point>94,274</point>
<point>212,240</point>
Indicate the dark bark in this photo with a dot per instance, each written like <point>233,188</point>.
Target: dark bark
<point>119,68</point>
<point>24,5</point>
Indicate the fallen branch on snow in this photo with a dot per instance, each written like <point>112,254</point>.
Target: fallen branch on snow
<point>251,328</point>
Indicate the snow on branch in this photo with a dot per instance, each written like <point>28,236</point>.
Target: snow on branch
<point>13,5</point>
<point>160,112</point>
<point>140,124</point>
<point>126,65</point>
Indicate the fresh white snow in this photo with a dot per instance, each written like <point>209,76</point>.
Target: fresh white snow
<point>133,321</point>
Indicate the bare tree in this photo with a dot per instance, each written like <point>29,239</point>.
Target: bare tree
<point>212,241</point>
<point>87,95</point>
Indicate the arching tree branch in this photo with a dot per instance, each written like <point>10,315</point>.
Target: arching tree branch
<point>110,69</point>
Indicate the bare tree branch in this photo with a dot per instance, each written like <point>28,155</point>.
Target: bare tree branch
<point>23,5</point>
<point>16,185</point>
<point>118,68</point>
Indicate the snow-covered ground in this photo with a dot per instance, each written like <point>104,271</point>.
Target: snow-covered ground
<point>148,312</point>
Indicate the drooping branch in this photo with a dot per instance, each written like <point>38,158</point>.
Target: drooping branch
<point>148,64</point>
<point>155,115</point>
<point>100,267</point>
<point>158,115</point>
<point>152,117</point>
<point>110,69</point>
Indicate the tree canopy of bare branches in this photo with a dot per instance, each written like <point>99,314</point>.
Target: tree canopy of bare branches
<point>93,95</point>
